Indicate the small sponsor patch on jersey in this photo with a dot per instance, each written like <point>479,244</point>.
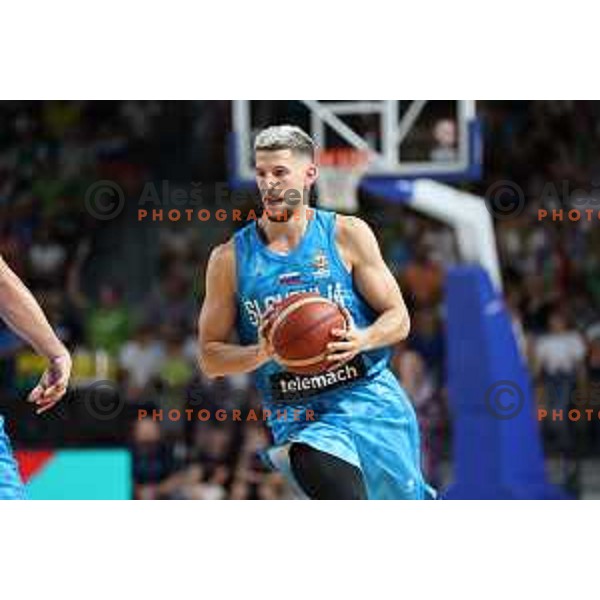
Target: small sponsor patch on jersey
<point>290,278</point>
<point>321,264</point>
<point>286,386</point>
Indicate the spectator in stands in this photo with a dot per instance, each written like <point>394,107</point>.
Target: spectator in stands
<point>171,304</point>
<point>444,135</point>
<point>420,386</point>
<point>559,363</point>
<point>25,218</point>
<point>427,339</point>
<point>65,317</point>
<point>592,389</point>
<point>174,374</point>
<point>423,278</point>
<point>47,257</point>
<point>157,473</point>
<point>537,304</point>
<point>108,323</point>
<point>10,247</point>
<point>141,359</point>
<point>250,471</point>
<point>274,487</point>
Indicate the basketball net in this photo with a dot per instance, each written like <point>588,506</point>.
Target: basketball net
<point>340,173</point>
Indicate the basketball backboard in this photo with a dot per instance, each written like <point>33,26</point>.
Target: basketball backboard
<point>406,139</point>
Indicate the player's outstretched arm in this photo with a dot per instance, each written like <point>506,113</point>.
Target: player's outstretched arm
<point>377,285</point>
<point>217,356</point>
<point>21,312</point>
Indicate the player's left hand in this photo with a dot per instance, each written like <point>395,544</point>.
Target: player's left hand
<point>352,342</point>
<point>53,384</point>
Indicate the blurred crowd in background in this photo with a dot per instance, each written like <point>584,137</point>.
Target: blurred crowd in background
<point>143,336</point>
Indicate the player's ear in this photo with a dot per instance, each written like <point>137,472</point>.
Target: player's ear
<point>312,173</point>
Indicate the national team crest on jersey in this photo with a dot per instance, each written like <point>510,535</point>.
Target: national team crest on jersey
<point>321,264</point>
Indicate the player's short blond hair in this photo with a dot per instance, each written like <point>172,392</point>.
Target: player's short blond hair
<point>285,137</point>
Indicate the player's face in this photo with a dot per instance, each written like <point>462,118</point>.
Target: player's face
<point>284,178</point>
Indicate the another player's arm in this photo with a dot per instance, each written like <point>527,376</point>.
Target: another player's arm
<point>21,312</point>
<point>217,356</point>
<point>360,250</point>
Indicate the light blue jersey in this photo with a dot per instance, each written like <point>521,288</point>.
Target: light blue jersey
<point>11,487</point>
<point>358,412</point>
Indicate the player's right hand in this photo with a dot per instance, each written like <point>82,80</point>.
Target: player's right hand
<point>53,384</point>
<point>264,342</point>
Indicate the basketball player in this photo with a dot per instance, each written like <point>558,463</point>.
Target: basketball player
<point>360,439</point>
<point>20,311</point>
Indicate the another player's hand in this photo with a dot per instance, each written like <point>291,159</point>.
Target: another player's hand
<point>351,342</point>
<point>53,384</point>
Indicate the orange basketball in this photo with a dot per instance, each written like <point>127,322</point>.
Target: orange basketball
<point>300,329</point>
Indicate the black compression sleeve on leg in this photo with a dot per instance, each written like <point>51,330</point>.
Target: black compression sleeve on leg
<point>325,477</point>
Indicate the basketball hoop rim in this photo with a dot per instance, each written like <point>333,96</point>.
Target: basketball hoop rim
<point>344,158</point>
<point>340,172</point>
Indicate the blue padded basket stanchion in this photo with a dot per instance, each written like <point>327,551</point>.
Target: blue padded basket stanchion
<point>496,439</point>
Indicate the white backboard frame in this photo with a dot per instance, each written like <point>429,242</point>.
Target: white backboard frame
<point>386,161</point>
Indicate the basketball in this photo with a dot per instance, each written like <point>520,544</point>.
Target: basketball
<point>300,329</point>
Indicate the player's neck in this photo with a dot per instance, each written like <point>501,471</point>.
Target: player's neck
<point>289,232</point>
